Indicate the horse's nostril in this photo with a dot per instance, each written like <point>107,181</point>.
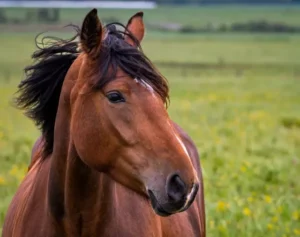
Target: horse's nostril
<point>176,188</point>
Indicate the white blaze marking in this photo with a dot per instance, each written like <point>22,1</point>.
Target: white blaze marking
<point>182,145</point>
<point>195,173</point>
<point>144,84</point>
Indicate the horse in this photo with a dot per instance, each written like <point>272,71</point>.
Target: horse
<point>110,161</point>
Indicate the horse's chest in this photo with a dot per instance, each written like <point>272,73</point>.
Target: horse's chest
<point>139,220</point>
<point>129,221</point>
<point>140,226</point>
<point>179,225</point>
<point>121,212</point>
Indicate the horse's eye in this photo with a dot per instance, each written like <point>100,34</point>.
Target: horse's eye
<point>115,97</point>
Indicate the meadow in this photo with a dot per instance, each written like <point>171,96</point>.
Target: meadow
<point>187,15</point>
<point>237,95</point>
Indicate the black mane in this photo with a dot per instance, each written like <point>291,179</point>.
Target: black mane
<point>40,91</point>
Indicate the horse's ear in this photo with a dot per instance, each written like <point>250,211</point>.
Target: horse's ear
<point>91,34</point>
<point>136,27</point>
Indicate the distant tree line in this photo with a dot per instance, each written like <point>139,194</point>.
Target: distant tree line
<point>40,15</point>
<point>208,2</point>
<point>52,15</point>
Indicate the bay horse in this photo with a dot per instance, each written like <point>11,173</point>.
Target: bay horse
<point>110,161</point>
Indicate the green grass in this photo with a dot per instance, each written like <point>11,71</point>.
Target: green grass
<point>194,16</point>
<point>234,104</point>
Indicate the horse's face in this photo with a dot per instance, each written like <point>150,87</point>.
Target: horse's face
<point>124,130</point>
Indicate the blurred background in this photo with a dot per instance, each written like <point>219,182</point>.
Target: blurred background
<point>234,70</point>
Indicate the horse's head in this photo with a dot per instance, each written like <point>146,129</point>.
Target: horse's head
<point>120,124</point>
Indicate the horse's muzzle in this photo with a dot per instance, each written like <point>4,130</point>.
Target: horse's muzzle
<point>177,198</point>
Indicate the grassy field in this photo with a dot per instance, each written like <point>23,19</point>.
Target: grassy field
<point>193,16</point>
<point>238,97</point>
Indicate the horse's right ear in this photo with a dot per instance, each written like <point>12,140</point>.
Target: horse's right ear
<point>91,34</point>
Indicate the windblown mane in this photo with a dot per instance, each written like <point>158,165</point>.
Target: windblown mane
<point>40,91</point>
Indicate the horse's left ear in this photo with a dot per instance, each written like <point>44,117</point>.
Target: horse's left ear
<point>136,27</point>
<point>91,34</point>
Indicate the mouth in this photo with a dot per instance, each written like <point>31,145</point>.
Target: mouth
<point>159,210</point>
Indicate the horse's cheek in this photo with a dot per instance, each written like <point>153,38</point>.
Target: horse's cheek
<point>86,135</point>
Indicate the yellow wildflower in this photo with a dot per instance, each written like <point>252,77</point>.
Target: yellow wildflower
<point>297,231</point>
<point>247,211</point>
<point>13,171</point>
<point>2,180</point>
<point>222,206</point>
<point>275,219</point>
<point>270,226</point>
<point>268,199</point>
<point>295,215</point>
<point>243,169</point>
<point>250,199</point>
<point>212,224</point>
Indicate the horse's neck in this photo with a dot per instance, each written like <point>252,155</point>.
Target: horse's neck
<point>61,147</point>
<point>85,195</point>
<point>94,203</point>
<point>73,189</point>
